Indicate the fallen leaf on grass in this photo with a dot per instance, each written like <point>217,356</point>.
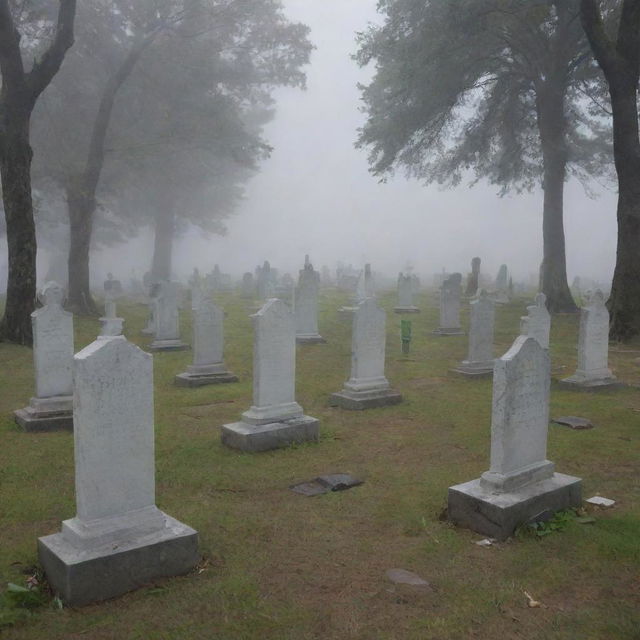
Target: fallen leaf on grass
<point>534,604</point>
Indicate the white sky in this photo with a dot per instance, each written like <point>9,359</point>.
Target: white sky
<point>315,195</point>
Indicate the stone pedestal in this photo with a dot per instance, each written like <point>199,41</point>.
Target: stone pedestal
<point>119,540</point>
<point>46,414</point>
<point>497,515</point>
<point>275,419</point>
<point>367,388</point>
<point>521,485</point>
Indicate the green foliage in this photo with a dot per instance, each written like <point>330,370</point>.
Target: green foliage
<point>558,522</point>
<point>466,85</point>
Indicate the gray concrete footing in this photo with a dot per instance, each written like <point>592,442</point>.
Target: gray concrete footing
<point>448,332</point>
<point>46,421</point>
<point>364,399</point>
<point>168,345</point>
<point>498,515</point>
<point>274,435</point>
<point>474,370</point>
<point>406,310</point>
<point>310,339</point>
<point>80,577</point>
<point>578,384</point>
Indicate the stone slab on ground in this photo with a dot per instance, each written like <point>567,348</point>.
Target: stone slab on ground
<point>168,345</point>
<point>358,401</point>
<point>83,576</point>
<point>573,422</point>
<point>577,383</point>
<point>201,379</point>
<point>406,310</point>
<point>474,369</point>
<point>326,484</point>
<point>317,339</point>
<point>499,514</point>
<point>274,435</point>
<point>448,332</point>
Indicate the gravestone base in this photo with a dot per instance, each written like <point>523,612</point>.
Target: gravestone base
<point>273,435</point>
<point>497,515</point>
<point>46,414</point>
<point>360,400</point>
<point>585,383</point>
<point>406,310</point>
<point>147,331</point>
<point>346,313</point>
<point>475,369</point>
<point>84,575</point>
<point>168,345</point>
<point>444,331</point>
<point>310,338</point>
<point>199,376</point>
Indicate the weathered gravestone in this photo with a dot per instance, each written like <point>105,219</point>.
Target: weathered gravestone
<point>265,281</point>
<point>167,319</point>
<point>306,305</point>
<point>406,288</point>
<point>367,387</point>
<point>52,406</point>
<point>275,419</point>
<point>154,292</point>
<point>473,279</point>
<point>480,360</point>
<point>119,540</point>
<point>501,293</point>
<point>521,484</point>
<point>208,347</point>
<point>593,348</point>
<point>248,287</point>
<point>537,323</point>
<point>450,307</point>
<point>110,323</point>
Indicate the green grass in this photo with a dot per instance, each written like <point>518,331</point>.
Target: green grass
<point>281,566</point>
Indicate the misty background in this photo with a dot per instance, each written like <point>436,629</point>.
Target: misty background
<point>314,194</point>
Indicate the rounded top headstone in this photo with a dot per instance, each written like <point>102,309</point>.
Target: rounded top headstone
<point>52,293</point>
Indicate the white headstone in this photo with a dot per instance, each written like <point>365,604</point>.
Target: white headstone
<point>53,344</point>
<point>118,539</point>
<point>520,418</point>
<point>368,348</point>
<point>593,345</point>
<point>274,365</point>
<point>208,334</point>
<point>405,291</point>
<point>167,317</point>
<point>537,324</point>
<point>482,315</point>
<point>450,293</point>
<point>306,304</point>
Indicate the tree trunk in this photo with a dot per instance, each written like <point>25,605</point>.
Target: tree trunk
<point>15,169</point>
<point>80,208</point>
<point>163,245</point>
<point>619,59</point>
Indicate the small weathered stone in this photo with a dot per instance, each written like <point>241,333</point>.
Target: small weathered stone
<point>573,422</point>
<point>402,576</point>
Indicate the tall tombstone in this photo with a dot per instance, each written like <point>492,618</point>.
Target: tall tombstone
<point>154,291</point>
<point>110,323</point>
<point>167,319</point>
<point>521,485</point>
<point>501,291</point>
<point>275,419</point>
<point>119,540</point>
<point>406,287</point>
<point>208,347</point>
<point>480,359</point>
<point>450,294</point>
<point>52,406</point>
<point>248,286</point>
<point>265,281</point>
<point>537,323</point>
<point>593,348</point>
<point>367,386</point>
<point>306,305</point>
<point>473,280</point>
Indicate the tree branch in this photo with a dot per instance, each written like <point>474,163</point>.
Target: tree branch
<point>593,26</point>
<point>44,69</point>
<point>11,64</point>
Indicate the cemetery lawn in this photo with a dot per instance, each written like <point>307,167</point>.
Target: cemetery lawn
<point>277,565</point>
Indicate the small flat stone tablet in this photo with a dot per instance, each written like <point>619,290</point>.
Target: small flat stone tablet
<point>574,422</point>
<point>600,501</point>
<point>325,484</point>
<point>402,576</point>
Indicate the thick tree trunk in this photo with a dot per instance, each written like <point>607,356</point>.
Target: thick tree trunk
<point>552,127</point>
<point>15,169</point>
<point>80,210</point>
<point>619,59</point>
<point>163,245</point>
